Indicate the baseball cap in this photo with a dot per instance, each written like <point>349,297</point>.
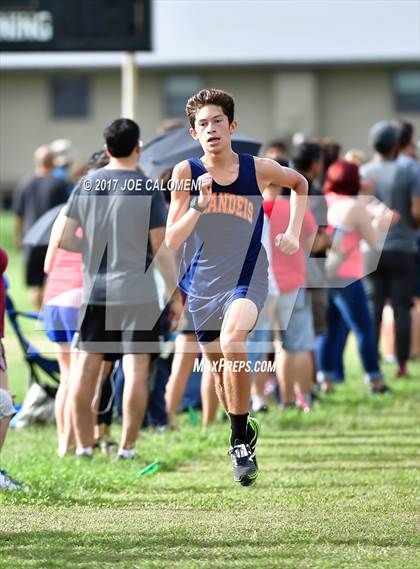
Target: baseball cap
<point>384,135</point>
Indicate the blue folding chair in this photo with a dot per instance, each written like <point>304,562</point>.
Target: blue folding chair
<point>36,362</point>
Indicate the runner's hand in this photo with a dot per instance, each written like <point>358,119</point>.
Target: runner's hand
<point>288,244</point>
<point>205,181</point>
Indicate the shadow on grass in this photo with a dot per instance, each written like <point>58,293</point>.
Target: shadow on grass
<point>342,409</point>
<point>164,545</point>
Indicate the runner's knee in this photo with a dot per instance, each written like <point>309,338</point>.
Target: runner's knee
<point>233,341</point>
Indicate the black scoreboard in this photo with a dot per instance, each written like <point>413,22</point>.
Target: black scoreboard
<point>75,25</point>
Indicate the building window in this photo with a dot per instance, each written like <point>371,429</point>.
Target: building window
<point>70,96</point>
<point>407,90</point>
<point>177,89</point>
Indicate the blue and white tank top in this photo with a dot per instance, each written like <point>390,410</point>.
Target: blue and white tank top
<point>225,251</point>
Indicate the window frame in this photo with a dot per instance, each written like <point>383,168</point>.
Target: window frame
<point>84,97</point>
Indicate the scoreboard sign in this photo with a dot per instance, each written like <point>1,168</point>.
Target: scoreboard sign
<point>75,25</point>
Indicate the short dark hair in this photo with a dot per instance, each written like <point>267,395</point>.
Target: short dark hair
<point>331,153</point>
<point>406,135</point>
<point>384,136</point>
<point>304,154</point>
<point>121,137</point>
<point>278,144</point>
<point>210,97</point>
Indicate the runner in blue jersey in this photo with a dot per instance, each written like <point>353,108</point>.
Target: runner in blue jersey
<point>216,217</point>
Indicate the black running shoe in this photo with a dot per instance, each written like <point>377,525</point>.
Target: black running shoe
<point>244,468</point>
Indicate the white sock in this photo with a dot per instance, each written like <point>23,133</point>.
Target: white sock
<point>81,451</point>
<point>127,453</point>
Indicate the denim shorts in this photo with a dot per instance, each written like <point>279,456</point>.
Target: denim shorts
<point>291,313</point>
<point>294,314</point>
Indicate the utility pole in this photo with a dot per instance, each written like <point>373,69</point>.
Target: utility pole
<point>129,85</point>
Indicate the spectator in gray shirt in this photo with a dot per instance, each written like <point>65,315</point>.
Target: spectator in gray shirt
<point>397,187</point>
<point>123,225</point>
<point>407,158</point>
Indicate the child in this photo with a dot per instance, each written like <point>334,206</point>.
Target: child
<point>6,403</point>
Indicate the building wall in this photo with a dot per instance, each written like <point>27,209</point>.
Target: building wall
<point>26,119</point>
<point>252,93</point>
<point>270,102</point>
<point>351,101</point>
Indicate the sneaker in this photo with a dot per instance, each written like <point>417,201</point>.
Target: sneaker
<point>8,483</point>
<point>244,469</point>
<point>84,453</point>
<point>259,404</point>
<point>124,454</point>
<point>260,409</point>
<point>402,373</point>
<point>382,389</point>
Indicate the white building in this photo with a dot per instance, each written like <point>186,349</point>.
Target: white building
<point>325,67</point>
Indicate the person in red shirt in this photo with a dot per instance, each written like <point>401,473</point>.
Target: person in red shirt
<point>290,306</point>
<point>6,403</point>
<point>289,270</point>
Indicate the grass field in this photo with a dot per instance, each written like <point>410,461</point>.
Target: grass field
<point>338,489</point>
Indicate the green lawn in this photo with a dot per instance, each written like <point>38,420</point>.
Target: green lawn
<point>338,489</point>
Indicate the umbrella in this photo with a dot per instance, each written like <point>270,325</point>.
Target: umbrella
<point>39,233</point>
<point>168,149</point>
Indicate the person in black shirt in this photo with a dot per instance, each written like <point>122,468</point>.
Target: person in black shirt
<point>34,197</point>
<point>307,158</point>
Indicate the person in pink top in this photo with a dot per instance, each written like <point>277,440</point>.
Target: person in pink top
<point>350,221</point>
<point>62,296</point>
<point>60,312</point>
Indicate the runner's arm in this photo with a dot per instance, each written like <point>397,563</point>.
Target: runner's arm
<point>269,173</point>
<point>166,265</point>
<point>181,218</point>
<point>165,262</point>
